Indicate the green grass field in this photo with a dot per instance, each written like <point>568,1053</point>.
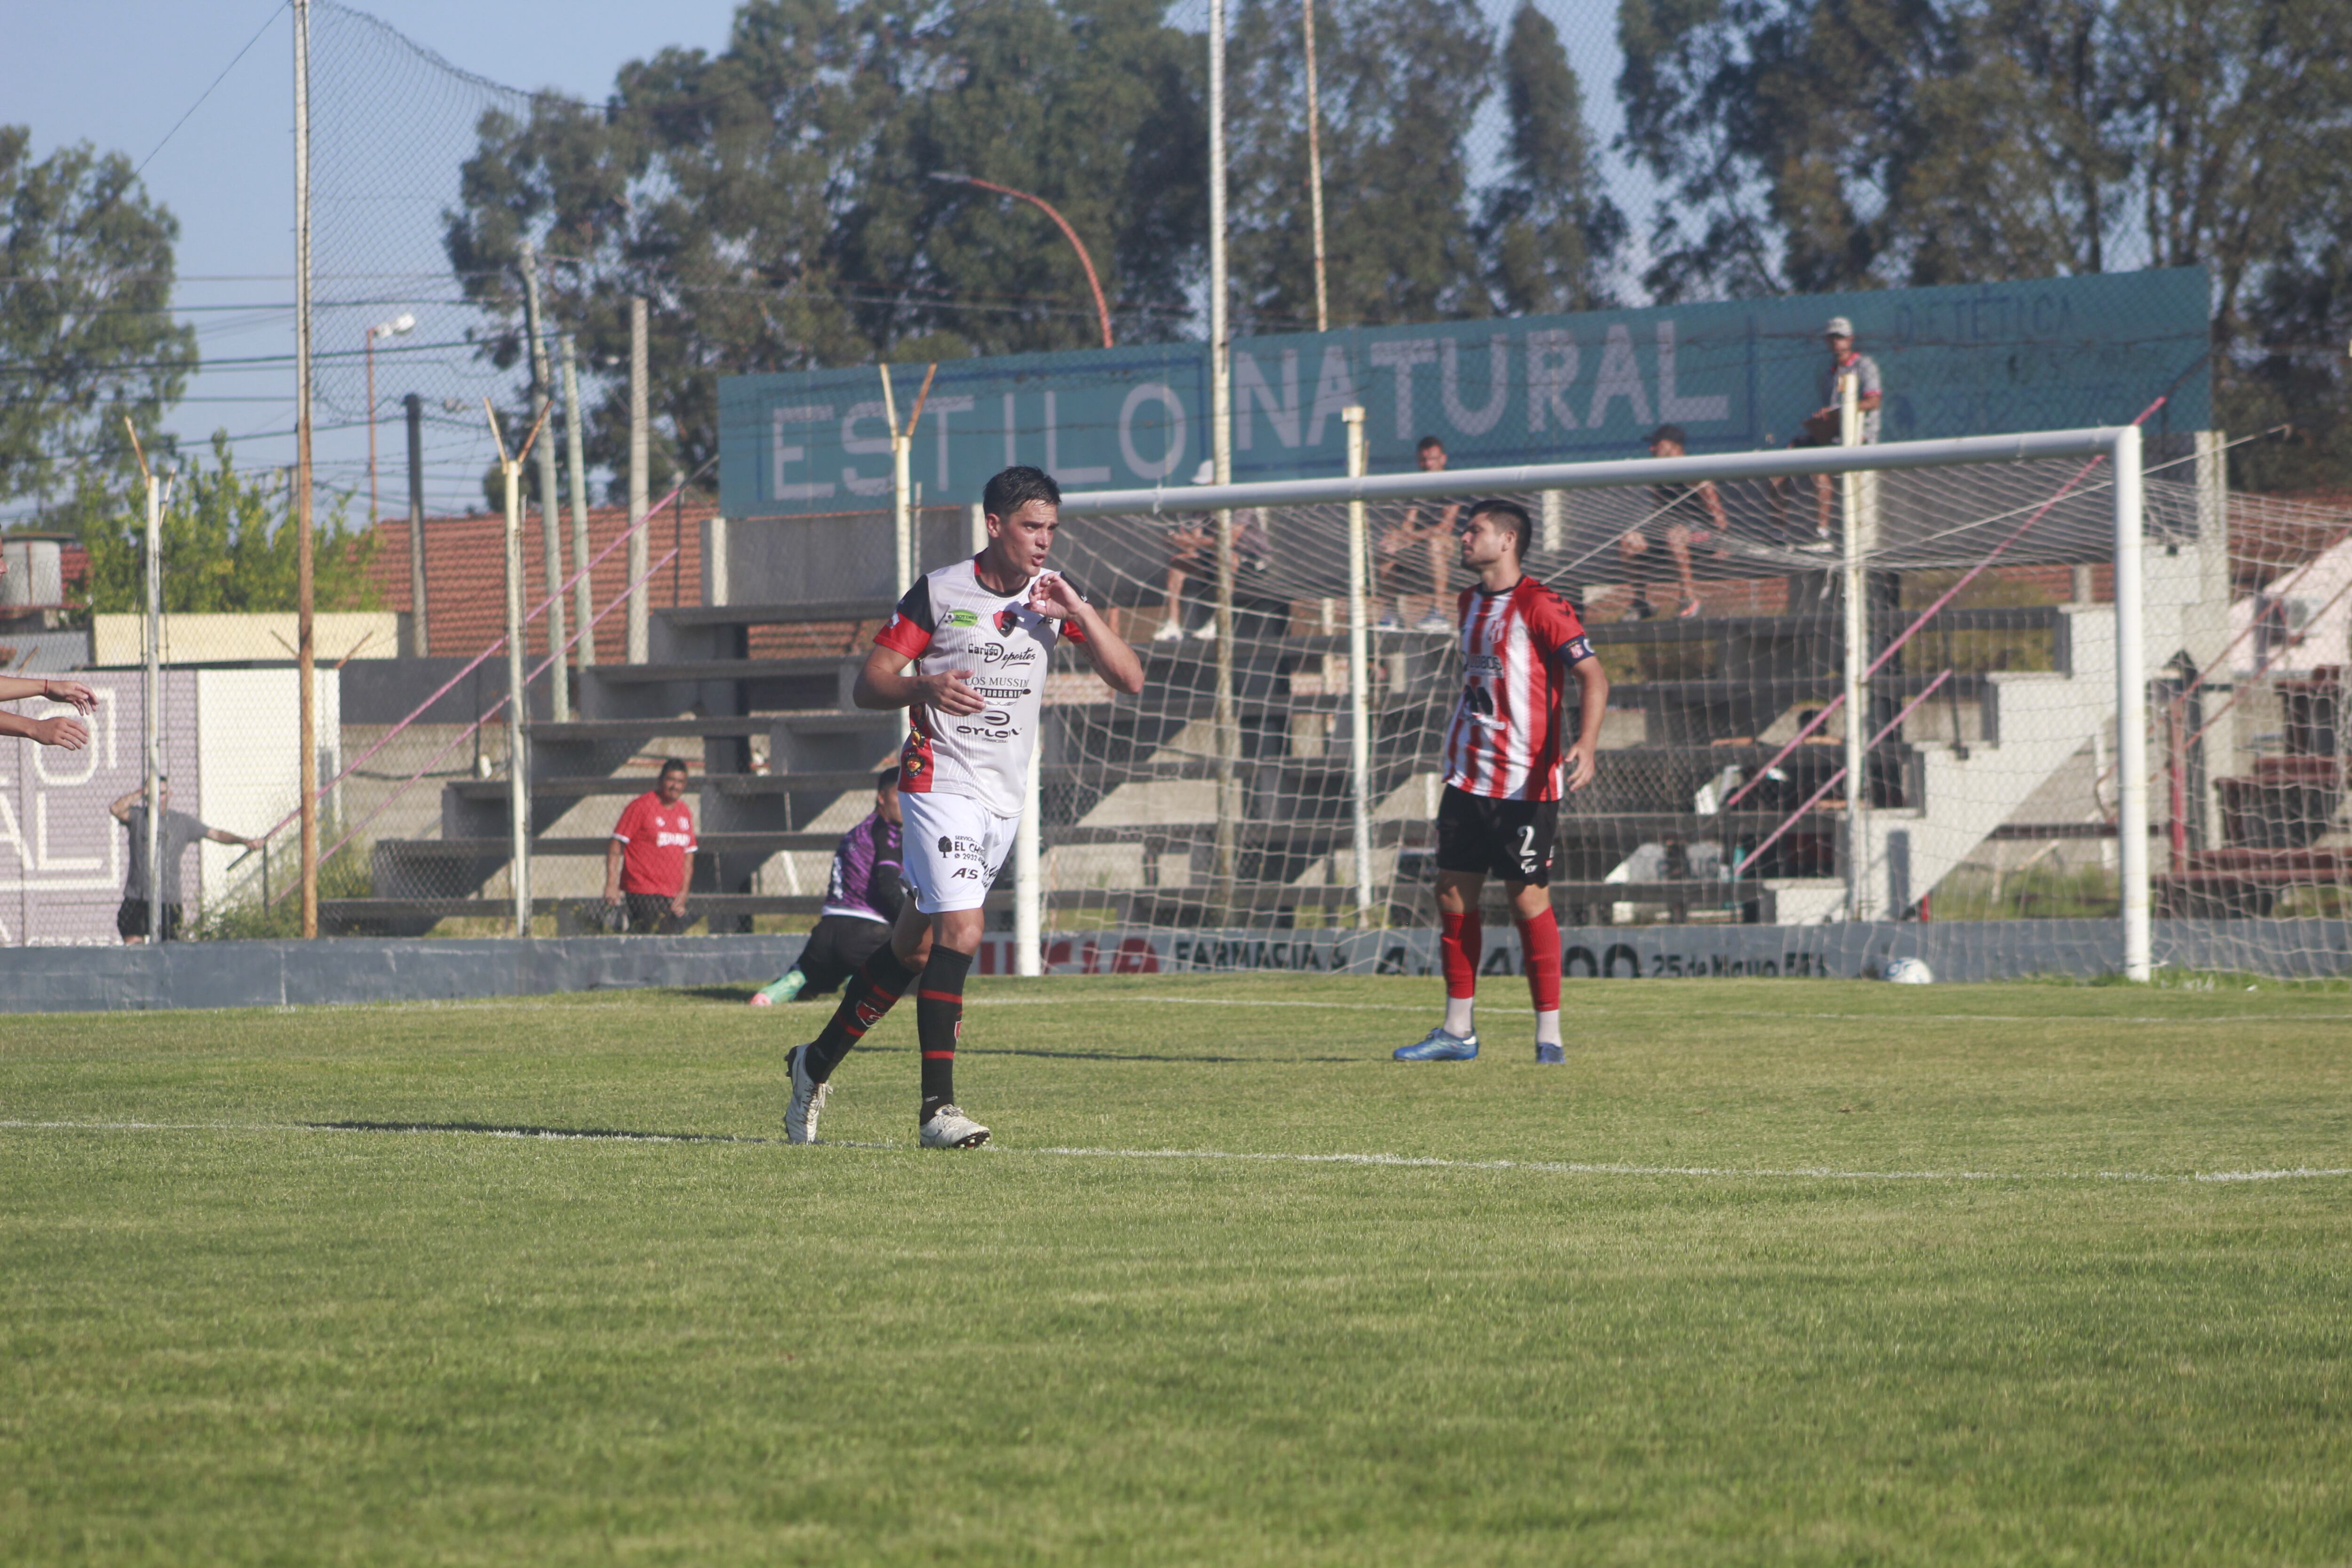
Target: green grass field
<point>1775,1271</point>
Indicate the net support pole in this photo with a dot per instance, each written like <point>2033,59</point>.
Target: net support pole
<point>306,678</point>
<point>151,725</point>
<point>1359,674</point>
<point>584,599</point>
<point>640,536</point>
<point>2131,709</point>
<point>419,643</point>
<point>1221,420</point>
<point>1858,901</point>
<point>518,769</point>
<point>1029,870</point>
<point>550,527</point>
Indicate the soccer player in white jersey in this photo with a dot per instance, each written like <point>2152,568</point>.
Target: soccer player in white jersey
<point>981,637</point>
<point>1503,762</point>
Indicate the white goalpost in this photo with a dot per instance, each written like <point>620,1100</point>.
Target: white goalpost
<point>1337,724</point>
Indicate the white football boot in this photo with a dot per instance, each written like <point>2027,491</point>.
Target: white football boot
<point>808,1099</point>
<point>950,1128</point>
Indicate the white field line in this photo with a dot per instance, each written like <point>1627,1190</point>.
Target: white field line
<point>1404,1161</point>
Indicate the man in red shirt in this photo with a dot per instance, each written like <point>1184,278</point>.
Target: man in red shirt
<point>1522,648</point>
<point>652,847</point>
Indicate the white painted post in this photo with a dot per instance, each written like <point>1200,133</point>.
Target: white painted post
<point>2131,709</point>
<point>151,730</point>
<point>978,527</point>
<point>640,539</point>
<point>1858,901</point>
<point>1360,675</point>
<point>517,771</point>
<point>584,599</point>
<point>549,519</point>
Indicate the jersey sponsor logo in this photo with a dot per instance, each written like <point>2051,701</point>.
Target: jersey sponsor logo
<point>673,840</point>
<point>960,618</point>
<point>1482,664</point>
<point>1006,619</point>
<point>997,653</point>
<point>990,726</point>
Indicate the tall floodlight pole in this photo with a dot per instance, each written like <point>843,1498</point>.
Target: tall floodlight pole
<point>1315,173</point>
<point>640,540</point>
<point>1359,670</point>
<point>305,663</point>
<point>1221,412</point>
<point>418,643</point>
<point>542,397</point>
<point>583,601</point>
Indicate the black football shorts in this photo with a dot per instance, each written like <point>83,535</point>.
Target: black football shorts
<point>1512,839</point>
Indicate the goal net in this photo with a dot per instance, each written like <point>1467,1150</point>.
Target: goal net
<point>1880,705</point>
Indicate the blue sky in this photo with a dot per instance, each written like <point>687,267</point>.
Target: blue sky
<point>122,73</point>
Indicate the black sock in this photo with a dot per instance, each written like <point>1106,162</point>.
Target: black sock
<point>880,981</point>
<point>939,1020</point>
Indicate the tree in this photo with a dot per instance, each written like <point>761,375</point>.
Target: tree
<point>226,546</point>
<point>86,334</point>
<point>773,204</point>
<point>1548,230</point>
<point>1401,83</point>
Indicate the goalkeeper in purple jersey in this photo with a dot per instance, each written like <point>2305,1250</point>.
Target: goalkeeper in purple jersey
<point>860,903</point>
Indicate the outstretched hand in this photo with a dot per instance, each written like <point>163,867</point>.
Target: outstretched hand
<point>81,698</point>
<point>66,734</point>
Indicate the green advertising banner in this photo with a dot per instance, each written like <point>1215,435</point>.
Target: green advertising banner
<point>1966,361</point>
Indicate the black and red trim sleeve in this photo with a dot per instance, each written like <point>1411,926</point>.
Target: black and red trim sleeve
<point>908,630</point>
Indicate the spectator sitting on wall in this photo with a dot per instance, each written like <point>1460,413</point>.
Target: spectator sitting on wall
<point>861,902</point>
<point>1824,427</point>
<point>173,834</point>
<point>1429,534</point>
<point>1192,546</point>
<point>1693,514</point>
<point>64,730</point>
<point>645,863</point>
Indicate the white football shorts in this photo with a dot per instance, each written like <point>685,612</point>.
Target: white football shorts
<point>954,847</point>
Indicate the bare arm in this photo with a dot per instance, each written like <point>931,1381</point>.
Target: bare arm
<point>612,871</point>
<point>883,683</point>
<point>121,808</point>
<point>1713,499</point>
<point>1592,691</point>
<point>223,836</point>
<point>64,732</point>
<point>71,692</point>
<point>1106,649</point>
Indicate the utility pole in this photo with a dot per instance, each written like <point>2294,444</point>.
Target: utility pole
<point>1315,173</point>
<point>305,661</point>
<point>418,644</point>
<point>583,600</point>
<point>517,692</point>
<point>640,546</point>
<point>1221,410</point>
<point>542,397</point>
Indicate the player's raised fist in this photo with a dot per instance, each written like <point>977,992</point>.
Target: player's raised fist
<point>1053,595</point>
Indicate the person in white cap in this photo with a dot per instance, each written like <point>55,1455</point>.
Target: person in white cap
<point>1823,426</point>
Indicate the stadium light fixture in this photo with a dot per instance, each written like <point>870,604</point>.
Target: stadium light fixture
<point>1102,311</point>
<point>400,326</point>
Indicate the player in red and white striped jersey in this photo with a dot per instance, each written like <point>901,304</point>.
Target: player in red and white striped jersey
<point>1521,644</point>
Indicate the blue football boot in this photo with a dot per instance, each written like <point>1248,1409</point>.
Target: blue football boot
<point>1441,1046</point>
<point>1550,1055</point>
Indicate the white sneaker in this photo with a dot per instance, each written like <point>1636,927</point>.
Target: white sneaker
<point>808,1099</point>
<point>1208,632</point>
<point>1170,631</point>
<point>950,1128</point>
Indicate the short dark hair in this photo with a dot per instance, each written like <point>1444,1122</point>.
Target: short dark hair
<point>674,765</point>
<point>1013,489</point>
<point>886,779</point>
<point>1522,526</point>
<point>1429,441</point>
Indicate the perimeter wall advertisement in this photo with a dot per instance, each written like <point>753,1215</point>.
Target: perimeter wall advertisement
<point>1963,361</point>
